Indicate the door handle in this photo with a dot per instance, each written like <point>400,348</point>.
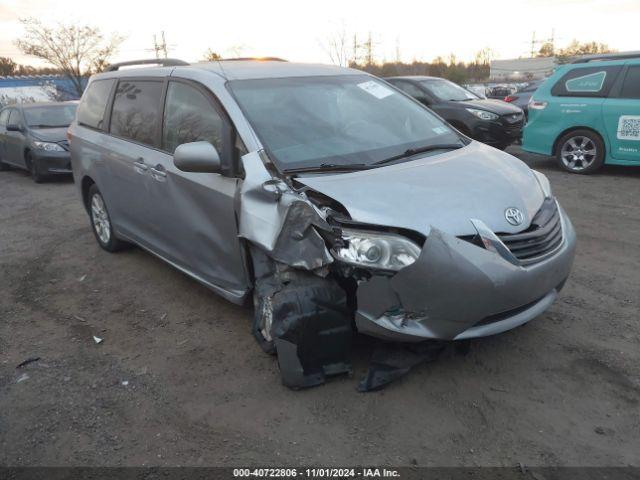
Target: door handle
<point>140,166</point>
<point>159,173</point>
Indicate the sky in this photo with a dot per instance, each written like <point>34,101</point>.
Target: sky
<point>299,30</point>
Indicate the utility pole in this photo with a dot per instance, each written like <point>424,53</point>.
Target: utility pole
<point>368,48</point>
<point>533,44</point>
<point>160,47</point>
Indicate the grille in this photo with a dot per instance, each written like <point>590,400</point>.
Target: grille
<point>541,238</point>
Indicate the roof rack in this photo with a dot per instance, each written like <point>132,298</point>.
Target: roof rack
<point>607,56</point>
<point>263,59</point>
<point>163,62</point>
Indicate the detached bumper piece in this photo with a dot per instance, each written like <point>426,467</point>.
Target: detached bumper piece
<point>312,331</point>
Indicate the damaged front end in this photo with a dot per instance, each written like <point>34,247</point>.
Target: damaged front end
<point>319,276</point>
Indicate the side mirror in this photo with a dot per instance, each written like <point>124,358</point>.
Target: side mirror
<point>13,127</point>
<point>199,157</point>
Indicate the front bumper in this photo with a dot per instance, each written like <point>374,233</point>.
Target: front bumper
<point>457,290</point>
<point>499,132</point>
<point>52,163</point>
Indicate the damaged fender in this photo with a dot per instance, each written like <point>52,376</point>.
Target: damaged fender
<point>280,221</point>
<point>299,314</point>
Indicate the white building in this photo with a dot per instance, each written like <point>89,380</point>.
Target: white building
<point>522,68</point>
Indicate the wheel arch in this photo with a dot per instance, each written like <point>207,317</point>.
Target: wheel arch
<point>85,185</point>
<point>556,142</point>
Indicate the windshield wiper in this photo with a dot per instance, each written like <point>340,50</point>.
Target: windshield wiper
<point>414,151</point>
<point>48,126</point>
<point>329,167</point>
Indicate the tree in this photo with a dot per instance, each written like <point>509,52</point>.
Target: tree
<point>546,50</point>
<point>575,48</point>
<point>211,56</point>
<point>7,66</point>
<point>76,50</point>
<point>337,46</point>
<point>484,56</point>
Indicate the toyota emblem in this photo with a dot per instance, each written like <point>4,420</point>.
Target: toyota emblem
<point>514,216</point>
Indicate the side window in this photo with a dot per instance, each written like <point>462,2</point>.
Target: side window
<point>586,82</point>
<point>189,116</point>
<point>94,103</point>
<point>411,89</point>
<point>4,116</point>
<point>136,110</point>
<point>631,85</point>
<point>14,117</point>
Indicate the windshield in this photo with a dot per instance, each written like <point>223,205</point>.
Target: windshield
<point>446,90</point>
<point>349,119</point>
<point>50,116</point>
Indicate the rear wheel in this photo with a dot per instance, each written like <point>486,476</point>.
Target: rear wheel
<point>580,151</point>
<point>32,166</point>
<point>101,222</point>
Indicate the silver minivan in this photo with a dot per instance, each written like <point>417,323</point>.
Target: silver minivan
<point>334,200</point>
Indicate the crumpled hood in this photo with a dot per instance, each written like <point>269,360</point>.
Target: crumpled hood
<point>442,190</point>
<point>50,134</point>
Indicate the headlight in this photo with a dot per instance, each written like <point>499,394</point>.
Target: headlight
<point>47,146</point>
<point>543,181</point>
<point>483,114</point>
<point>386,251</point>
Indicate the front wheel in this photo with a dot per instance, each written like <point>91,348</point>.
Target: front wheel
<point>101,222</point>
<point>580,151</point>
<point>32,165</point>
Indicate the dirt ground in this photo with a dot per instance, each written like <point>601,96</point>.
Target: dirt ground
<point>561,390</point>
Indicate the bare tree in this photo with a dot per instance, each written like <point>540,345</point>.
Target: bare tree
<point>211,56</point>
<point>76,50</point>
<point>484,56</point>
<point>337,46</point>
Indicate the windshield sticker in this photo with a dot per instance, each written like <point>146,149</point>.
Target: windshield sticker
<point>439,130</point>
<point>629,127</point>
<point>587,83</point>
<point>375,89</point>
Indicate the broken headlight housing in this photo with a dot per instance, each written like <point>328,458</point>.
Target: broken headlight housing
<point>385,251</point>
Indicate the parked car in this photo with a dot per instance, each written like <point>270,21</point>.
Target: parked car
<point>331,197</point>
<point>588,114</point>
<point>521,97</point>
<point>493,122</point>
<point>33,137</point>
<point>498,92</point>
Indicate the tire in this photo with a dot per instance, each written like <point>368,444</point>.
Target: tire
<point>3,166</point>
<point>32,166</point>
<point>101,222</point>
<point>262,322</point>
<point>580,151</point>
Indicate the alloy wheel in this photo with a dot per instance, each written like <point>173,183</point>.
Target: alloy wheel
<point>578,153</point>
<point>100,219</point>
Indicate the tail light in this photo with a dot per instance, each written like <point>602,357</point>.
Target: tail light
<point>510,98</point>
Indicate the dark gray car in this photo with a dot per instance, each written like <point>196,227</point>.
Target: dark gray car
<point>33,137</point>
<point>522,97</point>
<point>333,199</point>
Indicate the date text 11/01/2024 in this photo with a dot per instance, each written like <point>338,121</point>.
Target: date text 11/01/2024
<point>315,472</point>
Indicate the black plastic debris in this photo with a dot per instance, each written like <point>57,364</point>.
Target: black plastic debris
<point>312,331</point>
<point>27,362</point>
<point>391,361</point>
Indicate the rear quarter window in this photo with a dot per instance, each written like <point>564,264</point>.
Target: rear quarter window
<point>136,110</point>
<point>94,104</point>
<point>586,82</point>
